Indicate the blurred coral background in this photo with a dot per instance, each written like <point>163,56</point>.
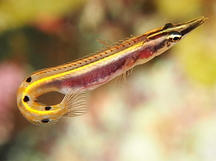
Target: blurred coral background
<point>169,112</point>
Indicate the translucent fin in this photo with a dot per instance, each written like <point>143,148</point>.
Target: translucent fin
<point>122,80</point>
<point>129,72</point>
<point>128,67</point>
<point>76,104</point>
<point>106,43</point>
<point>109,44</point>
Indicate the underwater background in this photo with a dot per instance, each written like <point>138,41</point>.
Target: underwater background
<point>169,112</point>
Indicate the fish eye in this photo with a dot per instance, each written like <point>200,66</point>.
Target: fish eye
<point>175,36</point>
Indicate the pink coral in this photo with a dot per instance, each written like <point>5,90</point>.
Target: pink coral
<point>11,76</point>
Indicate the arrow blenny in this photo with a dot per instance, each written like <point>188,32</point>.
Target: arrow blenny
<point>76,77</point>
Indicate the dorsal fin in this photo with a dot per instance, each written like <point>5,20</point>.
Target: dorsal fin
<point>106,43</point>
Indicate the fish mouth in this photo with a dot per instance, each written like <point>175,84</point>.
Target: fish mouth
<point>182,28</point>
<point>187,27</point>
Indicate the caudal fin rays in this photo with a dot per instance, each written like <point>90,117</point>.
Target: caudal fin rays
<point>75,103</point>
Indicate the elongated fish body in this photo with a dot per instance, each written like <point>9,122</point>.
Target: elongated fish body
<point>74,78</point>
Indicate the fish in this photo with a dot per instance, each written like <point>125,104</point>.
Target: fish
<point>73,79</point>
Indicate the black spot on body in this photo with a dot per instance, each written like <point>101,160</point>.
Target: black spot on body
<point>26,99</point>
<point>29,79</point>
<point>45,120</point>
<point>47,108</point>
